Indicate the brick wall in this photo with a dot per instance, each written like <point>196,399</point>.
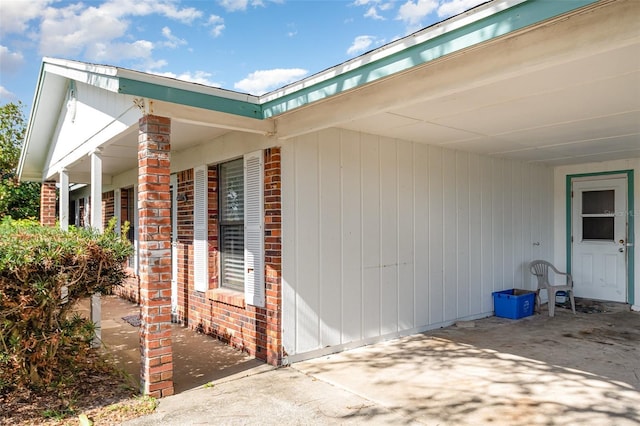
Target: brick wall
<point>273,254</point>
<point>48,204</point>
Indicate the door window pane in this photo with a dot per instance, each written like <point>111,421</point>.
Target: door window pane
<point>598,202</point>
<point>597,228</point>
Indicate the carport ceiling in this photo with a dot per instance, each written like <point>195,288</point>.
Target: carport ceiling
<point>563,92</point>
<point>573,112</point>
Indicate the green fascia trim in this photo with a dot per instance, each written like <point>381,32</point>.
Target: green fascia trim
<point>630,224</point>
<point>189,98</point>
<point>499,24</point>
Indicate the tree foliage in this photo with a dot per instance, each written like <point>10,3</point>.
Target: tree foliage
<point>20,200</point>
<point>44,273</point>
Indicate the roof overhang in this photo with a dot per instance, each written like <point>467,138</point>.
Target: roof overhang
<point>484,81</point>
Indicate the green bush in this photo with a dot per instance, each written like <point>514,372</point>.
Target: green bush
<point>44,272</point>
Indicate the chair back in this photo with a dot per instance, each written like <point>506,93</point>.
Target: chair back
<point>540,268</point>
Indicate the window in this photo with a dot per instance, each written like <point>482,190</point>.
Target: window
<point>597,215</point>
<point>231,219</point>
<point>240,227</point>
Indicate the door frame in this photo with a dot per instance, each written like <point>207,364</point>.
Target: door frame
<point>630,223</point>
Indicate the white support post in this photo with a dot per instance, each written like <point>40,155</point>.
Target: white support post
<point>64,200</point>
<point>96,190</point>
<point>96,223</point>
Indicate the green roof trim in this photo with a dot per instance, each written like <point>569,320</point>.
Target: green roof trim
<point>496,25</point>
<point>186,97</point>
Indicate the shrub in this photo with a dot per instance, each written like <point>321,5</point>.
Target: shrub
<point>44,272</point>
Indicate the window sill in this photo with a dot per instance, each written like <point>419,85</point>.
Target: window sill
<point>226,296</point>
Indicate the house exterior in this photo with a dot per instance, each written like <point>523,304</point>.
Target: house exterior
<point>386,196</point>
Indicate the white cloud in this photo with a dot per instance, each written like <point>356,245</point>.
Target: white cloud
<point>412,12</point>
<point>200,77</point>
<point>453,7</point>
<point>236,5</point>
<point>386,6</point>
<point>372,13</point>
<point>364,2</point>
<point>16,15</point>
<point>100,32</point>
<point>150,7</point>
<point>10,61</point>
<point>360,44</point>
<point>172,41</point>
<point>71,30</point>
<point>262,81</point>
<point>217,24</point>
<point>5,94</point>
<point>112,52</point>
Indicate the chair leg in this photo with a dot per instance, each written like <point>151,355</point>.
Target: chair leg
<point>573,301</point>
<point>552,303</point>
<point>538,302</point>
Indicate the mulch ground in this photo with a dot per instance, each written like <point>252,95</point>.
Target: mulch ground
<point>97,389</point>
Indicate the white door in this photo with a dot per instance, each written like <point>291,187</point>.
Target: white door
<point>599,236</point>
<point>174,247</point>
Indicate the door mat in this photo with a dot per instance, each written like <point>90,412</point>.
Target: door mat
<point>134,320</point>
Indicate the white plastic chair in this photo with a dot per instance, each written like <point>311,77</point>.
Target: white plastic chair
<point>540,268</point>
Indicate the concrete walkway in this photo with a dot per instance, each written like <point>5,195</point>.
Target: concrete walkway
<point>582,369</point>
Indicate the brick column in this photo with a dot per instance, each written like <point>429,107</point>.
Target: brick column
<point>154,213</point>
<point>48,204</point>
<point>273,253</point>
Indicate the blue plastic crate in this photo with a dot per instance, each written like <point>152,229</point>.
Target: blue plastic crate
<point>514,303</point>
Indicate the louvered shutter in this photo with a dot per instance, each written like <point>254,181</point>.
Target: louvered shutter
<point>200,234</point>
<point>254,229</point>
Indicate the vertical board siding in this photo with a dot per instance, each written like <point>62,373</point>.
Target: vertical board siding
<point>307,217</point>
<point>406,254</point>
<point>388,267</point>
<point>371,241</point>
<point>436,236</point>
<point>351,248</point>
<point>330,240</point>
<point>385,236</point>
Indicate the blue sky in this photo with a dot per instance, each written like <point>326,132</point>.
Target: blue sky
<point>249,46</point>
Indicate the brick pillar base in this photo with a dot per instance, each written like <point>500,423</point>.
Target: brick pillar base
<point>48,204</point>
<point>154,205</point>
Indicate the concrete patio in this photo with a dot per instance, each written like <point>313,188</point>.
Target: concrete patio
<point>581,369</point>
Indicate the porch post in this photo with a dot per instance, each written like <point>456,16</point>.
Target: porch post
<point>95,212</point>
<point>48,203</point>
<point>154,225</point>
<point>63,208</point>
<point>96,190</point>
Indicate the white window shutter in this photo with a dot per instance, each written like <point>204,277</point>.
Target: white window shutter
<point>200,230</point>
<point>254,286</point>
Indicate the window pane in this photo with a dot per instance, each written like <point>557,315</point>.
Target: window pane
<point>232,248</point>
<point>597,228</point>
<point>598,202</point>
<point>232,191</point>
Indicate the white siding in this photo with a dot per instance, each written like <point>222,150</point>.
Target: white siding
<point>385,237</point>
<point>91,109</point>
